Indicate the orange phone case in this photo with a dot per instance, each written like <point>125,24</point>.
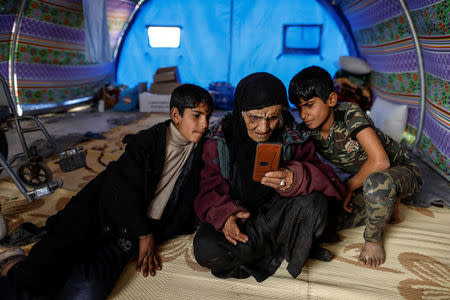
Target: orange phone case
<point>267,159</point>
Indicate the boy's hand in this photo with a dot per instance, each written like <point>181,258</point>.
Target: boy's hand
<point>280,180</point>
<point>347,204</point>
<point>147,261</point>
<point>231,230</point>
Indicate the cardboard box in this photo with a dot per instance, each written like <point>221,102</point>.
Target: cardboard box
<point>149,102</point>
<point>166,70</point>
<point>163,87</point>
<point>165,77</point>
<point>142,87</point>
<point>166,74</point>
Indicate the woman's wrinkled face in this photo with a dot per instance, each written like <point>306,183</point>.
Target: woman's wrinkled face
<point>262,122</point>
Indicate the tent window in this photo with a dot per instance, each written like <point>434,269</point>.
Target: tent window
<point>164,36</point>
<point>302,38</point>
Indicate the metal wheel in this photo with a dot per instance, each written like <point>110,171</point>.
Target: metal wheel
<point>34,174</point>
<point>3,146</point>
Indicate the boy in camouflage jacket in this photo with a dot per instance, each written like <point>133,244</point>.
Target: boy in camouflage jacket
<point>381,171</point>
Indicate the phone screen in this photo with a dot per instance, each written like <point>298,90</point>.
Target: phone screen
<point>267,159</point>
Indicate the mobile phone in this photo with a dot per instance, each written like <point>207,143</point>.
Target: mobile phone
<point>267,159</point>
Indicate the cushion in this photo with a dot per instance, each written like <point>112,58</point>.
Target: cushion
<point>354,65</point>
<point>389,117</point>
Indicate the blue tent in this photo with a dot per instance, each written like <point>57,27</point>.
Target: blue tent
<point>227,40</point>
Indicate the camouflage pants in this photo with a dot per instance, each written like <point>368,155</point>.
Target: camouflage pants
<point>374,203</point>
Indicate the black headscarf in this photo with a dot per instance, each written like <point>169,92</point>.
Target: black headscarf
<point>256,91</point>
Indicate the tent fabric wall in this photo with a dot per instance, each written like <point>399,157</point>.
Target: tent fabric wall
<point>254,51</point>
<point>203,55</point>
<point>50,62</point>
<point>385,41</point>
<point>8,10</point>
<point>117,13</point>
<point>50,59</point>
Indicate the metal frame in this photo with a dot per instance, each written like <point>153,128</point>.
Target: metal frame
<point>421,72</point>
<point>17,120</point>
<point>13,118</point>
<point>419,134</point>
<point>13,50</point>
<point>35,193</point>
<point>29,108</point>
<point>126,28</point>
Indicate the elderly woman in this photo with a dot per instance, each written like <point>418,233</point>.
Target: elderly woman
<point>249,227</point>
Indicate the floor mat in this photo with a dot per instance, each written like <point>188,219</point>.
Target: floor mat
<point>417,265</point>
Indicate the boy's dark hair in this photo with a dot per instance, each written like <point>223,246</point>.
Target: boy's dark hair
<point>190,96</point>
<point>310,82</point>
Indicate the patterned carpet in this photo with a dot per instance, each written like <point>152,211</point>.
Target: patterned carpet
<point>417,265</point>
<point>16,208</point>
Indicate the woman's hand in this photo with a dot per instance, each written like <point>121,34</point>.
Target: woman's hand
<point>280,180</point>
<point>231,230</point>
<point>147,261</point>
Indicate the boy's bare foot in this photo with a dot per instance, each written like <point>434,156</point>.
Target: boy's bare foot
<point>372,254</point>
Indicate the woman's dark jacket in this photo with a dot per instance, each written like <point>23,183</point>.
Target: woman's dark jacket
<point>124,189</point>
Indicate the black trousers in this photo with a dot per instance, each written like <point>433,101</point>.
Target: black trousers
<point>74,259</point>
<point>92,279</point>
<point>285,228</point>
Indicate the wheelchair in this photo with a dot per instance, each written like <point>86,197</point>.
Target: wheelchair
<point>31,170</point>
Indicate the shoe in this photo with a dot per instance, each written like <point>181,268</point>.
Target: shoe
<point>3,226</point>
<point>10,255</point>
<point>320,253</point>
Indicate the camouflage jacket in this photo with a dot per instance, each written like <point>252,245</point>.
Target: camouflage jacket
<point>341,147</point>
